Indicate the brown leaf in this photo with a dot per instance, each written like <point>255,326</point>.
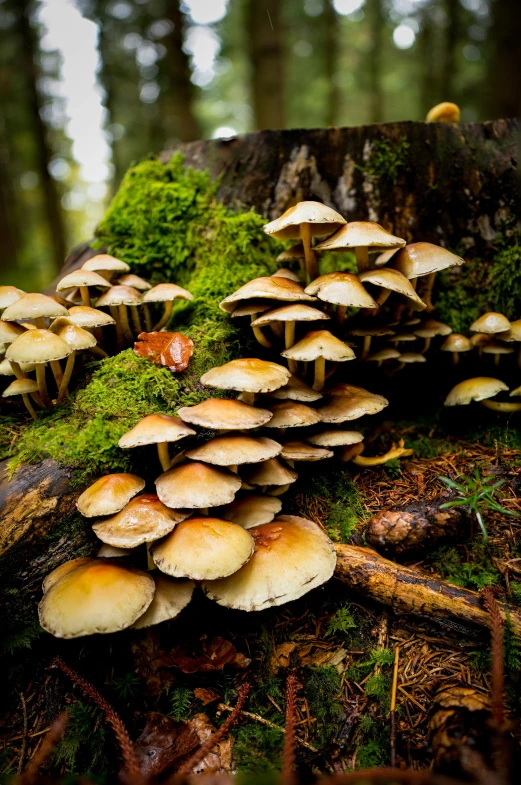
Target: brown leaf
<point>147,651</point>
<point>219,760</point>
<point>170,349</point>
<point>282,655</point>
<point>322,659</point>
<point>204,656</point>
<point>206,696</point>
<point>163,742</point>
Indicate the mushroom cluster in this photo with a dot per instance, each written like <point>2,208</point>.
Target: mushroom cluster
<point>37,332</point>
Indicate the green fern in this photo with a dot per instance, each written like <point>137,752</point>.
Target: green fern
<point>341,621</point>
<point>21,638</point>
<point>474,574</point>
<point>127,686</point>
<point>180,702</point>
<point>83,748</point>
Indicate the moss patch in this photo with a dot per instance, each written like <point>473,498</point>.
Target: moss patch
<point>386,160</point>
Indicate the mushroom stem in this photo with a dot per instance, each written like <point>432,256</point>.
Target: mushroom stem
<point>362,258</point>
<point>496,359</point>
<point>277,329</point>
<point>123,317</point>
<point>42,386</point>
<point>248,397</point>
<point>502,406</point>
<point>341,311</point>
<point>15,367</point>
<point>40,323</point>
<point>426,345</point>
<point>167,313</point>
<point>289,340</point>
<point>234,467</point>
<point>29,406</point>
<point>148,318</point>
<point>427,294</point>
<point>56,372</point>
<point>382,297</point>
<point>62,390</point>
<point>280,490</point>
<point>311,260</point>
<point>135,318</point>
<point>97,351</point>
<point>163,455</point>
<point>85,296</point>
<point>150,562</point>
<point>366,347</point>
<point>259,335</point>
<point>119,332</point>
<point>320,374</point>
<point>455,358</point>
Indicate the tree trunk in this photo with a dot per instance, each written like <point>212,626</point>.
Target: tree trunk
<point>452,32</point>
<point>427,54</point>
<point>504,95</point>
<point>376,27</point>
<point>180,119</point>
<point>265,44</point>
<point>332,96</point>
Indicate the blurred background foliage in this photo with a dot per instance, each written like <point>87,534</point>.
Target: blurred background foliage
<point>89,86</point>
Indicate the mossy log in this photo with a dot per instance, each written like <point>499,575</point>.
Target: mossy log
<point>410,590</point>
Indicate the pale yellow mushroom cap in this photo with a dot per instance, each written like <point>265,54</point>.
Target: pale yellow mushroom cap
<point>54,576</point>
<point>418,259</point>
<point>33,306</point>
<point>249,307</point>
<point>394,281</point>
<point>247,375</point>
<point>104,262</point>
<point>331,438</point>
<point>225,414</point>
<point>251,510</point>
<point>38,346</point>
<point>347,402</point>
<point>270,472</point>
<point>382,355</point>
<point>292,557</point>
<point>403,338</point>
<point>490,323</point>
<point>361,234</point>
<point>291,414</point>
<point>296,390</point>
<point>135,281</point>
<point>266,288</point>
<point>85,316</point>
<point>456,343</point>
<point>9,331</point>
<point>77,338</point>
<point>319,343</point>
<point>100,596</point>
<point>477,389</point>
<point>513,333</point>
<point>203,548</point>
<point>170,597</point>
<point>110,552</point>
<point>154,429</point>
<point>235,449</point>
<point>292,254</point>
<point>430,328</point>
<point>283,272</point>
<point>165,293</point>
<point>446,112</point>
<point>290,313</point>
<point>7,370</point>
<point>109,494</point>
<point>197,485</point>
<point>300,451</point>
<point>517,391</point>
<point>341,289</point>
<point>497,348</point>
<point>20,387</point>
<point>322,220</point>
<point>82,277</point>
<point>119,295</point>
<point>412,357</point>
<point>9,295</point>
<point>143,519</point>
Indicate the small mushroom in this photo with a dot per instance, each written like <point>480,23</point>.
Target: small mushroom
<point>291,414</point>
<point>296,390</point>
<point>34,306</point>
<point>408,358</point>
<point>419,259</point>
<point>224,414</point>
<point>233,450</point>
<point>389,281</point>
<point>134,281</point>
<point>300,451</point>
<point>9,295</point>
<point>283,272</point>
<point>79,340</point>
<point>343,290</point>
<point>247,375</point>
<point>295,254</point>
<point>117,299</point>
<point>497,349</point>
<point>446,112</point>
<point>481,388</point>
<point>165,293</point>
<point>40,347</point>
<point>368,333</point>
<point>158,429</point>
<point>86,317</point>
<point>106,265</point>
<point>361,236</point>
<point>347,402</point>
<point>270,473</point>
<point>383,355</point>
<point>336,438</point>
<point>109,494</point>
<point>289,315</point>
<point>456,343</point>
<point>197,485</point>
<point>490,324</point>
<point>110,552</point>
<point>171,596</point>
<point>251,510</point>
<point>430,329</point>
<point>319,346</point>
<point>82,280</point>
<point>143,519</point>
<point>23,387</point>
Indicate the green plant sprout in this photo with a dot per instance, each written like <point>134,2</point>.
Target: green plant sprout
<point>476,494</point>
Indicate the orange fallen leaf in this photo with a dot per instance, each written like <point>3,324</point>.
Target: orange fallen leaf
<point>172,350</point>
<point>206,696</point>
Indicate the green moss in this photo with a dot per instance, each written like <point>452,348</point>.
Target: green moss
<point>472,570</point>
<point>344,501</point>
<point>386,159</point>
<point>84,747</point>
<point>323,691</point>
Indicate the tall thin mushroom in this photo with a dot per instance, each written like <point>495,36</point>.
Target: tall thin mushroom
<point>23,387</point>
<point>40,347</point>
<point>82,280</point>
<point>360,236</point>
<point>117,298</point>
<point>165,293</point>
<point>319,346</point>
<point>79,340</point>
<point>289,315</point>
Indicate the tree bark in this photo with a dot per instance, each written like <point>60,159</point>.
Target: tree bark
<point>265,44</point>
<point>178,104</point>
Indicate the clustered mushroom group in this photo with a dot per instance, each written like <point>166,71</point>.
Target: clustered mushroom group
<point>37,331</point>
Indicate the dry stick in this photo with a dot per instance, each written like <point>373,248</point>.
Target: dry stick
<point>264,721</point>
<point>114,720</point>
<point>223,731</point>
<point>53,737</point>
<point>24,741</point>
<point>392,715</point>
<point>288,776</point>
<point>498,672</point>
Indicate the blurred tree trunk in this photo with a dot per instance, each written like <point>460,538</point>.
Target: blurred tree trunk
<point>505,64</point>
<point>449,70</point>
<point>427,63</point>
<point>375,14</point>
<point>331,48</point>
<point>29,64</point>
<point>179,117</point>
<point>265,43</point>
<point>8,222</point>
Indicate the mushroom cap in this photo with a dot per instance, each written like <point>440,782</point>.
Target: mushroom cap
<point>203,548</point>
<point>82,277</point>
<point>291,313</point>
<point>233,449</point>
<point>497,348</point>
<point>517,391</point>
<point>283,272</point>
<point>249,307</point>
<point>109,494</point>
<point>225,414</point>
<point>341,289</point>
<point>251,510</point>
<point>332,438</point>
<point>383,258</point>
<point>266,288</point>
<point>403,338</point>
<point>393,281</point>
<point>292,556</point>
<point>106,263</point>
<point>320,343</point>
<point>300,451</point>
<point>382,355</point>
<point>418,259</point>
<point>100,596</point>
<point>247,375</point>
<point>9,331</point>
<point>512,334</point>
<point>9,295</point>
<point>119,295</point>
<point>477,389</point>
<point>347,402</point>
<point>291,414</point>
<point>446,112</point>
<point>7,370</point>
<point>38,346</point>
<point>489,323</point>
<point>430,328</point>
<point>110,552</point>
<point>154,429</point>
<point>20,387</point>
<point>33,306</point>
<point>134,281</point>
<point>361,234</point>
<point>296,390</point>
<point>456,343</point>
<point>85,316</point>
<point>67,566</point>
<point>374,331</point>
<point>143,519</point>
<point>322,220</point>
<point>412,357</point>
<point>166,293</point>
<point>270,472</point>
<point>170,597</point>
<point>197,485</point>
<point>292,254</point>
<point>77,338</point>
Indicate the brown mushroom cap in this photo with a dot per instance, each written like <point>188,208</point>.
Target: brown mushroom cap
<point>430,328</point>
<point>234,449</point>
<point>341,289</point>
<point>490,323</point>
<point>9,295</point>
<point>332,438</point>
<point>361,234</point>
<point>292,254</point>
<point>9,331</point>
<point>383,258</point>
<point>67,566</point>
<point>134,281</point>
<point>251,510</point>
<point>319,343</point>
<point>20,387</point>
<point>291,414</point>
<point>292,556</point>
<point>270,472</point>
<point>165,293</point>
<point>247,375</point>
<point>197,485</point>
<point>82,277</point>
<point>322,219</point>
<point>266,288</point>
<point>513,333</point>
<point>155,429</point>
<point>33,306</point>
<point>290,313</point>
<point>170,597</point>
<point>203,548</point>
<point>477,389</point>
<point>100,596</point>
<point>119,295</point>
<point>402,338</point>
<point>382,355</point>
<point>106,263</point>
<point>480,339</point>
<point>300,451</point>
<point>225,414</point>
<point>85,316</point>
<point>38,346</point>
<point>412,357</point>
<point>347,402</point>
<point>418,259</point>
<point>109,494</point>
<point>456,343</point>
<point>283,272</point>
<point>143,519</point>
<point>393,281</point>
<point>296,390</point>
<point>77,338</point>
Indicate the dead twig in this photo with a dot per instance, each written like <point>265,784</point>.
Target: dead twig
<point>288,775</point>
<point>53,737</point>
<point>392,715</point>
<point>263,721</point>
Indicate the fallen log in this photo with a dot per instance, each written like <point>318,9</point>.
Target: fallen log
<point>410,590</point>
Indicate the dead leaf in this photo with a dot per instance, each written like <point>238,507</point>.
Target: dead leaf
<point>163,742</point>
<point>206,696</point>
<point>170,349</point>
<point>282,655</point>
<point>202,656</point>
<point>324,659</point>
<point>147,651</point>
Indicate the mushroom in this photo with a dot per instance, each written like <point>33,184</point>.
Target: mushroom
<point>117,298</point>
<point>158,429</point>
<point>134,281</point>
<point>184,553</point>
<point>34,306</point>
<point>109,494</point>
<point>289,315</point>
<point>79,340</point>
<point>456,343</point>
<point>390,280</point>
<point>9,295</point>
<point>251,510</point>
<point>361,236</point>
<point>59,572</point>
<point>82,279</point>
<point>170,597</point>
<point>511,335</point>
<point>429,329</point>
<point>353,454</point>
<point>306,220</point>
<point>408,358</point>
<point>368,333</point>
<point>300,451</point>
<point>383,258</point>
<point>232,450</point>
<point>40,347</point>
<point>292,556</point>
<point>481,388</point>
<point>295,254</point>
<point>100,596</point>
<point>247,375</point>
<point>490,324</point>
<point>497,349</point>
<point>348,402</point>
<point>143,519</point>
<point>197,485</point>
<point>296,390</point>
<point>480,339</point>
<point>283,272</point>
<point>382,355</point>
<point>224,414</point>
<point>398,338</point>
<point>110,552</point>
<point>23,387</point>
<point>343,290</point>
<point>319,345</point>
<point>106,265</point>
<point>164,293</point>
<point>291,414</point>
<point>16,369</point>
<point>253,308</point>
<point>419,259</point>
<point>86,317</point>
<point>336,438</point>
<point>268,473</point>
<point>446,112</point>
